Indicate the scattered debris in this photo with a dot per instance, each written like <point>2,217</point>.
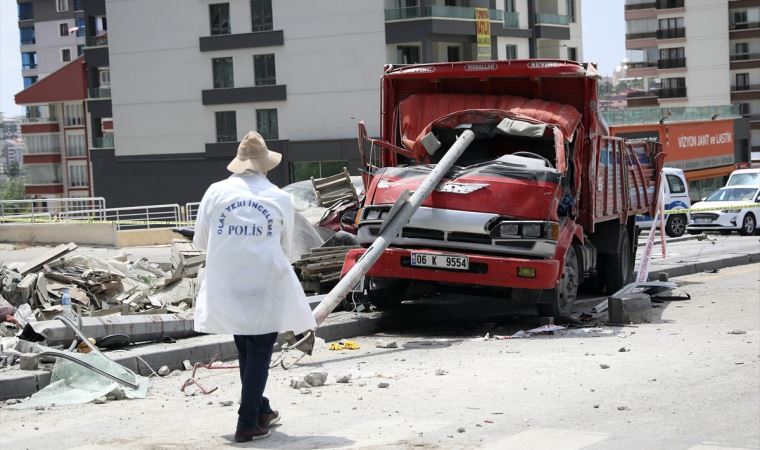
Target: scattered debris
<point>226,403</point>
<point>344,345</point>
<point>306,391</point>
<point>546,329</point>
<point>315,379</point>
<point>343,379</point>
<point>440,372</point>
<point>737,332</point>
<point>187,364</point>
<point>390,344</point>
<point>604,366</point>
<point>623,349</point>
<point>623,408</point>
<point>29,361</point>
<point>100,400</point>
<point>383,385</point>
<point>163,371</point>
<point>319,270</point>
<point>297,384</point>
<point>596,405</point>
<point>175,373</point>
<point>460,430</point>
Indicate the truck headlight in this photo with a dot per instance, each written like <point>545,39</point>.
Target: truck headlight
<point>531,230</point>
<point>373,214</point>
<point>551,231</point>
<point>509,230</point>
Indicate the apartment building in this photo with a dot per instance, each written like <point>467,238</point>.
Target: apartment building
<point>695,53</point>
<point>57,156</point>
<point>185,88</point>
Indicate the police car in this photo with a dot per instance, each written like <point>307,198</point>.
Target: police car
<point>676,198</point>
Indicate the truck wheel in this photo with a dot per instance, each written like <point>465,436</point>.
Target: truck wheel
<point>558,302</point>
<point>385,293</point>
<point>748,225</point>
<point>676,225</point>
<point>617,268</point>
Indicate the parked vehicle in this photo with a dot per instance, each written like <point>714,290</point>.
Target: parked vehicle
<point>744,177</point>
<point>676,191</point>
<point>542,200</point>
<point>730,214</point>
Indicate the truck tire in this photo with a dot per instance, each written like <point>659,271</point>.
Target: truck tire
<point>559,302</point>
<point>617,268</point>
<point>385,293</point>
<point>675,225</point>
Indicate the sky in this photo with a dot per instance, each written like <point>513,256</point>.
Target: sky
<point>603,43</point>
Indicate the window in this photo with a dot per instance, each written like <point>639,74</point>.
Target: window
<point>28,60</point>
<point>61,5</point>
<point>37,144</point>
<point>28,81</point>
<point>81,27</point>
<point>741,49</point>
<point>261,15</point>
<point>219,15</point>
<point>509,5</point>
<point>511,52</point>
<point>408,54</point>
<point>671,58</point>
<point>77,5</point>
<point>104,78</point>
<point>740,17</point>
<point>65,54</point>
<point>742,81</point>
<point>671,28</point>
<point>73,115</point>
<point>570,10</point>
<point>223,77</point>
<point>63,29</point>
<point>80,49</point>
<point>675,184</point>
<point>25,11</point>
<point>44,173</point>
<point>673,87</point>
<point>77,175</point>
<point>75,146</point>
<point>304,170</point>
<point>226,128</point>
<point>33,112</point>
<point>572,54</point>
<point>453,53</point>
<point>27,35</point>
<point>266,123</point>
<point>263,69</point>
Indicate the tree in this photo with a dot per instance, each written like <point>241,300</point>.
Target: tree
<point>12,189</point>
<point>14,170</point>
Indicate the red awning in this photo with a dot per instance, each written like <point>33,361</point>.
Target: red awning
<point>419,111</point>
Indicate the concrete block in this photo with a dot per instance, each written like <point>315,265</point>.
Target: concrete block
<point>29,361</point>
<point>630,308</point>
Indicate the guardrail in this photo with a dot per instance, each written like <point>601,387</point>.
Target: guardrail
<point>191,211</point>
<point>132,217</point>
<point>18,209</point>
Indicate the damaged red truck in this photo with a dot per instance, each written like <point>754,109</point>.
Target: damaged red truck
<point>542,201</point>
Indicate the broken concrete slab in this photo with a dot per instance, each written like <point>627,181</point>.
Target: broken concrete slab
<point>315,379</point>
<point>630,308</point>
<point>45,258</point>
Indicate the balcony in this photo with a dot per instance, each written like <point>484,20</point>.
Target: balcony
<point>634,6</point>
<point>679,92</point>
<point>744,87</point>
<point>640,64</point>
<point>511,19</point>
<point>96,41</point>
<point>744,56</point>
<point>653,115</point>
<point>743,26</point>
<point>641,94</point>
<point>671,63</point>
<point>101,92</point>
<point>39,120</point>
<point>669,4</point>
<point>28,41</point>
<point>28,66</point>
<point>551,19</point>
<point>436,11</point>
<point>645,35</point>
<point>103,142</point>
<point>671,33</point>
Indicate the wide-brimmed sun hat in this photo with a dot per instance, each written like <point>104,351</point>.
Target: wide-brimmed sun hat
<point>253,154</point>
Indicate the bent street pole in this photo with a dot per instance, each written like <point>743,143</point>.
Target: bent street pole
<point>392,227</point>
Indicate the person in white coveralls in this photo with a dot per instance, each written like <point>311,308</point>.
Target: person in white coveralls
<point>245,225</point>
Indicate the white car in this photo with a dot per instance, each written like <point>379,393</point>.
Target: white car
<point>676,197</point>
<point>734,208</point>
<point>744,177</point>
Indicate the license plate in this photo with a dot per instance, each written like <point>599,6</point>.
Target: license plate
<point>440,261</point>
<point>702,220</point>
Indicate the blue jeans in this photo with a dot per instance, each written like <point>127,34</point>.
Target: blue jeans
<point>254,354</point>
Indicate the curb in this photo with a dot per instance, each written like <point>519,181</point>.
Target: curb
<point>20,384</point>
<point>669,240</point>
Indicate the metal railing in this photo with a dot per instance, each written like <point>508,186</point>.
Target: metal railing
<point>133,217</point>
<point>640,64</point>
<point>744,56</point>
<point>96,41</point>
<point>668,4</point>
<point>639,94</point>
<point>51,206</point>
<point>743,26</point>
<point>643,35</point>
<point>101,92</point>
<point>28,66</point>
<point>552,19</point>
<point>511,19</point>
<point>671,63</point>
<point>744,87</point>
<point>671,33</point>
<point>683,113</point>
<point>28,41</point>
<point>630,6</point>
<point>672,92</point>
<point>449,12</point>
<point>191,211</point>
<point>103,142</point>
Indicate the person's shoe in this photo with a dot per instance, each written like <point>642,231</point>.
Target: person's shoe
<point>269,420</point>
<point>248,434</point>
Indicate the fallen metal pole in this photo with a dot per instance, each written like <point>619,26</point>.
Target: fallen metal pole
<point>404,209</point>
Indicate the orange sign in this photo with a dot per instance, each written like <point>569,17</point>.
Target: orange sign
<point>483,33</point>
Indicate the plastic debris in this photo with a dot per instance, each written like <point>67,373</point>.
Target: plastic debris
<point>344,345</point>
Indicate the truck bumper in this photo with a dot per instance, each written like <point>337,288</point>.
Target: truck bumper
<point>484,270</point>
